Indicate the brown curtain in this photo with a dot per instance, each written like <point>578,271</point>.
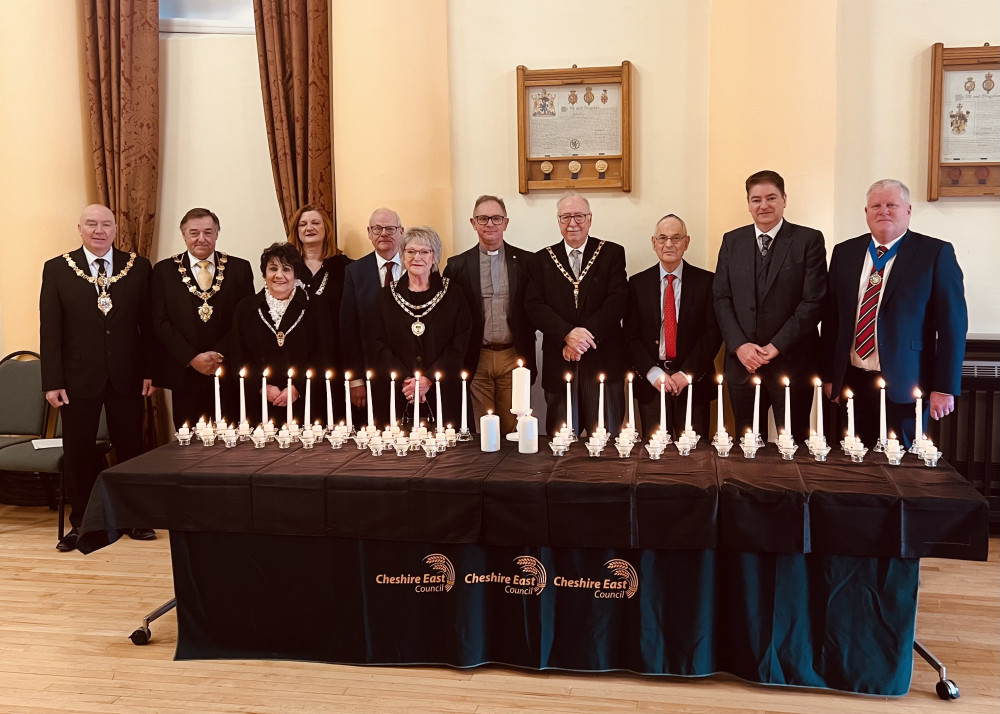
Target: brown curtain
<point>123,57</point>
<point>293,49</point>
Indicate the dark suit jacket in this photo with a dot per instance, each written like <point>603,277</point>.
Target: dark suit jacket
<point>603,296</point>
<point>792,304</point>
<point>82,349</point>
<point>698,336</point>
<point>357,309</point>
<point>922,318</point>
<point>463,269</point>
<point>330,279</point>
<point>180,332</point>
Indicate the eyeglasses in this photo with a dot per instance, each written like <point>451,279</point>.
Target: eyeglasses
<point>495,220</point>
<point>378,230</point>
<point>411,253</point>
<point>565,218</point>
<point>671,240</point>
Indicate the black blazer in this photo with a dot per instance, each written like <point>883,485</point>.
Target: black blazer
<point>922,317</point>
<point>81,348</point>
<point>463,269</point>
<point>179,330</point>
<point>698,335</point>
<point>327,285</point>
<point>357,306</point>
<point>792,304</point>
<point>602,301</point>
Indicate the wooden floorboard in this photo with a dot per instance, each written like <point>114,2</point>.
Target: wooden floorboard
<point>65,620</point>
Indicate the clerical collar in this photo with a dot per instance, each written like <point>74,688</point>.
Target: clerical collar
<point>498,251</point>
<point>194,260</point>
<point>582,248</point>
<point>773,232</point>
<point>91,257</point>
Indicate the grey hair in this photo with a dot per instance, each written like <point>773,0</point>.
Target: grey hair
<point>571,194</point>
<point>889,183</point>
<point>674,216</point>
<point>423,235</point>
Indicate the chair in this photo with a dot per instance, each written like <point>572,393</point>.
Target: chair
<point>22,406</point>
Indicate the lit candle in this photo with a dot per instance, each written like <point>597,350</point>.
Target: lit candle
<point>663,403</point>
<point>850,414</point>
<point>756,407</point>
<point>218,396</point>
<point>347,401</point>
<point>263,394</point>
<point>392,399</point>
<point>818,383</point>
<point>288,402</point>
<point>368,395</point>
<point>521,386</point>
<point>489,431</point>
<point>243,397</point>
<point>569,402</point>
<point>527,434</point>
<point>416,401</point>
<point>184,430</point>
<point>306,420</point>
<point>440,412</point>
<point>892,444</point>
<point>329,400</point>
<point>720,425</point>
<point>687,415</point>
<point>918,433</point>
<point>631,404</point>
<point>882,437</point>
<point>465,404</point>
<point>600,403</point>
<point>788,406</point>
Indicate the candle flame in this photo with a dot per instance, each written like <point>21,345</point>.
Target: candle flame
<point>309,374</point>
<point>347,376</point>
<point>465,375</point>
<point>186,425</point>
<point>267,372</point>
<point>690,378</point>
<point>489,412</point>
<point>881,383</point>
<point>520,363</point>
<point>290,372</point>
<point>437,376</point>
<point>417,375</point>
<point>785,381</point>
<point>218,372</point>
<point>849,394</point>
<point>243,372</point>
<point>756,381</point>
<point>817,382</point>
<point>630,376</point>
<point>892,435</point>
<point>719,379</point>
<point>329,373</point>
<point>368,374</point>
<point>916,393</point>
<point>569,376</point>
<point>392,376</point>
<point>600,377</point>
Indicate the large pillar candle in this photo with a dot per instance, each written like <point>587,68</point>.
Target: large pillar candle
<point>489,432</point>
<point>521,389</point>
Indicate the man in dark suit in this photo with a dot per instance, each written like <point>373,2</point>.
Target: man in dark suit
<point>671,331</point>
<point>362,281</point>
<point>95,334</point>
<point>770,280</point>
<point>194,296</point>
<point>492,276</point>
<point>896,310</point>
<point>576,296</point>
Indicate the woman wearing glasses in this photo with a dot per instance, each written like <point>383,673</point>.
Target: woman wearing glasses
<point>421,326</point>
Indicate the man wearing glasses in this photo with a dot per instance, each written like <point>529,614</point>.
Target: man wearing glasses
<point>671,331</point>
<point>362,281</point>
<point>492,276</point>
<point>577,292</point>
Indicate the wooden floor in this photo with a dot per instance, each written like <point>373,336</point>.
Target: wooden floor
<point>65,621</point>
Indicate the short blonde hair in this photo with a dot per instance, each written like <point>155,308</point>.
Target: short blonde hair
<point>423,235</point>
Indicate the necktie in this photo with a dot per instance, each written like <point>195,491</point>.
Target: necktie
<point>669,320</point>
<point>864,336</point>
<point>204,277</point>
<point>574,262</point>
<point>102,267</point>
<point>388,274</point>
<point>765,244</point>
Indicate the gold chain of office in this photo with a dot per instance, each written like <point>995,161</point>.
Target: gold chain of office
<point>205,310</point>
<point>418,327</point>
<point>583,273</point>
<point>104,303</point>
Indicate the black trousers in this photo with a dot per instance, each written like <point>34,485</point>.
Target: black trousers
<point>900,419</point>
<point>586,398</point>
<point>649,415</point>
<point>81,419</point>
<point>195,399</point>
<point>772,394</point>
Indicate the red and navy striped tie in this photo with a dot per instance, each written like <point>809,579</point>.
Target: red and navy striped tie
<point>864,339</point>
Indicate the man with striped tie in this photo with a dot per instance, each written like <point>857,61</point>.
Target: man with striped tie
<point>896,310</point>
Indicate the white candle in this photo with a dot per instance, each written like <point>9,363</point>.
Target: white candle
<point>329,401</point>
<point>892,444</point>
<point>465,404</point>
<point>489,432</point>
<point>416,401</point>
<point>600,403</point>
<point>440,412</point>
<point>392,399</point>
<point>720,425</point>
<point>521,389</point>
<point>788,406</point>
<point>687,415</point>
<point>631,405</point>
<point>663,403</point>
<point>218,396</point>
<point>882,437</point>
<point>184,430</point>
<point>243,396</point>
<point>819,406</point>
<point>756,406</point>
<point>306,418</point>
<point>918,433</point>
<point>263,394</point>
<point>527,434</point>
<point>288,403</point>
<point>850,414</point>
<point>368,395</point>
<point>347,401</point>
<point>569,402</point>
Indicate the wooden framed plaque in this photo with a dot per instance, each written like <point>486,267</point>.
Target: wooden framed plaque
<point>574,128</point>
<point>964,154</point>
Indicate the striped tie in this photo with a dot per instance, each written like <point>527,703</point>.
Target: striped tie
<point>864,340</point>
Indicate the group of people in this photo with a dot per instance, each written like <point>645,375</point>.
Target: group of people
<point>112,326</point>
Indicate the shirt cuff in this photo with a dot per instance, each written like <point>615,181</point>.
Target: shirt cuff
<point>653,376</point>
<point>357,383</point>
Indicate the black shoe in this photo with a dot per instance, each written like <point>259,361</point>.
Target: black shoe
<point>68,541</point>
<point>141,534</point>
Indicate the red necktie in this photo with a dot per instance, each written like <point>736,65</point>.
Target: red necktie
<point>864,336</point>
<point>388,274</point>
<point>669,320</point>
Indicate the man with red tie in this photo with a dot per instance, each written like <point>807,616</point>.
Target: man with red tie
<point>895,310</point>
<point>671,333</point>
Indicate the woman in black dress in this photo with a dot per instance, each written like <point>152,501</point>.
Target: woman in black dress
<point>281,328</point>
<point>421,325</point>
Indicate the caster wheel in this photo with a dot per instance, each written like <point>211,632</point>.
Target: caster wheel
<point>947,690</point>
<point>142,636</point>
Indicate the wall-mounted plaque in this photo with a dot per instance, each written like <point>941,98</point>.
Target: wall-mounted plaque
<point>964,154</point>
<point>574,128</point>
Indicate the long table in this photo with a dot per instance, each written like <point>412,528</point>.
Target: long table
<point>796,573</point>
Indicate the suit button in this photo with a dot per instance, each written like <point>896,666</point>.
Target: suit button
<point>107,332</point>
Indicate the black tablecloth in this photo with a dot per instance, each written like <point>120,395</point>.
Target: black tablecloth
<point>465,496</point>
